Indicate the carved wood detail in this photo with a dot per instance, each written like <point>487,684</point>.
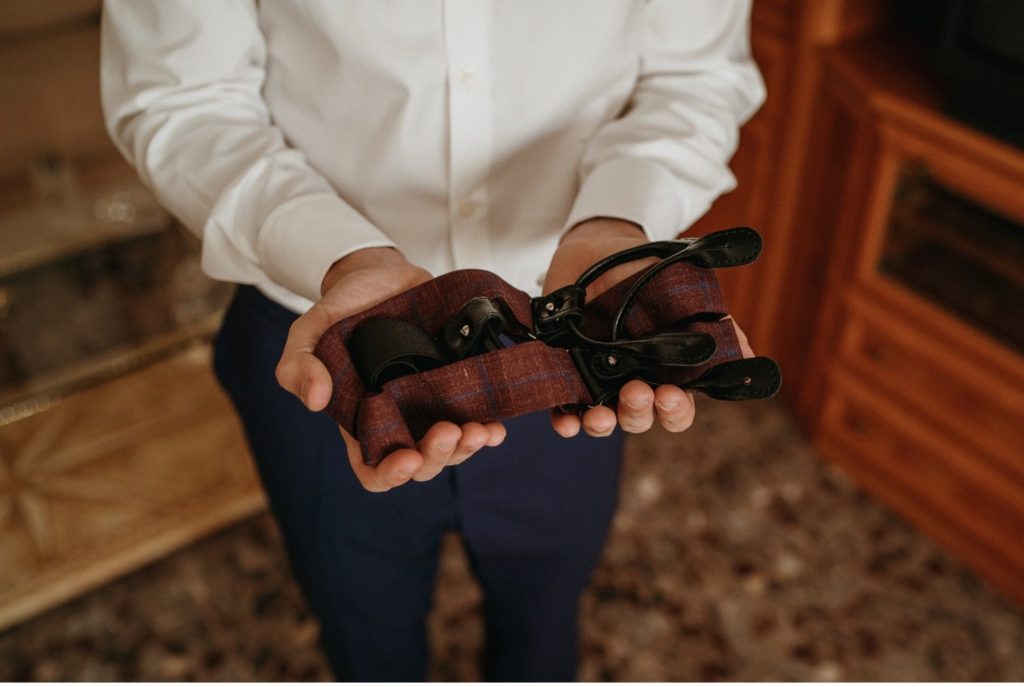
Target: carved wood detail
<point>115,477</point>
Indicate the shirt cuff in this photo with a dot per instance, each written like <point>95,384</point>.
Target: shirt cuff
<point>633,189</point>
<point>302,238</point>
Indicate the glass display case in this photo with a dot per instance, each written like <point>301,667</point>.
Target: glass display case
<point>917,364</point>
<point>958,254</point>
<point>93,285</point>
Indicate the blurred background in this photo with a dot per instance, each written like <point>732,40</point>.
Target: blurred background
<point>868,524</point>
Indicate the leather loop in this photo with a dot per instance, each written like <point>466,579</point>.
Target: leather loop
<point>554,313</point>
<point>606,366</point>
<point>475,329</point>
<point>673,349</point>
<point>726,248</point>
<point>655,249</point>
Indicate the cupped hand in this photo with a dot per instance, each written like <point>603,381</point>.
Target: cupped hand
<point>639,405</point>
<point>356,282</point>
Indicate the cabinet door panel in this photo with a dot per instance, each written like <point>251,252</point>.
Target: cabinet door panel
<point>945,489</point>
<point>905,362</point>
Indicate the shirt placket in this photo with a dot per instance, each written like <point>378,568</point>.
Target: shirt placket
<point>467,26</point>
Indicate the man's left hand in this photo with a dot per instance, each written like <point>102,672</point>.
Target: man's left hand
<point>639,405</point>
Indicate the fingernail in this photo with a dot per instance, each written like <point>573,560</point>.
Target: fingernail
<point>668,405</point>
<point>634,403</point>
<point>445,448</point>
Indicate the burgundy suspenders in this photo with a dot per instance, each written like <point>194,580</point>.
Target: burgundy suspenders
<point>467,346</point>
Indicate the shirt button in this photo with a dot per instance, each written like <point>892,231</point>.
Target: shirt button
<point>467,77</point>
<point>468,209</point>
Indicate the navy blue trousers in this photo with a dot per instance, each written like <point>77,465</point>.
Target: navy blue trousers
<point>533,515</point>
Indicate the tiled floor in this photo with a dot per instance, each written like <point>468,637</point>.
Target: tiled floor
<point>736,555</point>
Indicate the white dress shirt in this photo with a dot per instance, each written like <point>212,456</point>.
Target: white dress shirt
<point>467,133</point>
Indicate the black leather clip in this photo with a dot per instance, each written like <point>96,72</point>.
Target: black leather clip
<point>599,374</point>
<point>554,313</point>
<point>476,329</point>
<point>740,380</point>
<point>606,367</point>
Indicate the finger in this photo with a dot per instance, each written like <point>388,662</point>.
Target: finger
<point>396,469</point>
<point>496,433</point>
<point>741,336</point>
<point>437,447</point>
<point>675,407</point>
<point>474,437</point>
<point>298,370</point>
<point>565,424</point>
<point>599,421</point>
<point>636,406</point>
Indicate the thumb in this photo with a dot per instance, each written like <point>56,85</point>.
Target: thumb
<point>299,370</point>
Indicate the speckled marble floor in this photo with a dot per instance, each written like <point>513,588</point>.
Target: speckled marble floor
<point>735,555</point>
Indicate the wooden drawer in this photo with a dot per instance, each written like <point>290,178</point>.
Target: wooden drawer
<point>952,388</point>
<point>953,492</point>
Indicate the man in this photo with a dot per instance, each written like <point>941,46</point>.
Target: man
<point>332,154</point>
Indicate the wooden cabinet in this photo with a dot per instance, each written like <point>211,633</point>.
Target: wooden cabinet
<point>755,164</point>
<point>915,381</point>
<point>891,290</point>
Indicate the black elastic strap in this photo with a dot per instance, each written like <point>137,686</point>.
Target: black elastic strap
<point>386,349</point>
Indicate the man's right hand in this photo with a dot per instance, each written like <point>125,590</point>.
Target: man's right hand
<point>359,281</point>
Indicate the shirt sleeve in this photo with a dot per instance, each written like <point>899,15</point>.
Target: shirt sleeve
<point>665,160</point>
<point>181,92</point>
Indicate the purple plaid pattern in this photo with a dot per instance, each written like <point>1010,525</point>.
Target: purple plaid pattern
<point>504,383</point>
<point>511,381</point>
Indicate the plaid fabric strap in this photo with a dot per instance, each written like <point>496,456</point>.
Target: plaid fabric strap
<point>517,379</point>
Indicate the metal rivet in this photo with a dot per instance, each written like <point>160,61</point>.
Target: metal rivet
<point>747,380</point>
<point>612,360</point>
<point>465,330</point>
<point>549,306</point>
